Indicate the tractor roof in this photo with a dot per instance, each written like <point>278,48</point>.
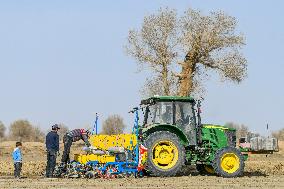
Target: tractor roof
<point>167,99</point>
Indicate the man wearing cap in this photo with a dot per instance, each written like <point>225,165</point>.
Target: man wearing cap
<point>74,136</point>
<point>52,148</point>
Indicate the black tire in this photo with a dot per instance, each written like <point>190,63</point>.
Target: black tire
<point>204,169</point>
<point>218,160</point>
<point>155,138</point>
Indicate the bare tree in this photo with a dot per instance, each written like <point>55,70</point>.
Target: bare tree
<point>2,130</point>
<point>242,130</point>
<point>154,45</point>
<point>279,134</point>
<point>21,130</point>
<point>62,131</point>
<point>153,86</point>
<point>188,48</point>
<point>37,135</point>
<point>113,125</point>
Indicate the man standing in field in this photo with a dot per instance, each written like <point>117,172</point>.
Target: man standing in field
<point>52,148</point>
<point>74,136</point>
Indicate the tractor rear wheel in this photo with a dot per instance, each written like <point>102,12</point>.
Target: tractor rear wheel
<point>166,155</point>
<point>228,162</point>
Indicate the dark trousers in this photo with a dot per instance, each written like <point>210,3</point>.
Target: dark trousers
<point>18,169</point>
<point>51,162</point>
<point>67,145</point>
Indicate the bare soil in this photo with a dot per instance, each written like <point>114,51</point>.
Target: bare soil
<point>261,171</point>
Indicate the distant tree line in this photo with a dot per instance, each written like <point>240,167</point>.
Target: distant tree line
<point>279,134</point>
<point>23,130</point>
<point>242,130</point>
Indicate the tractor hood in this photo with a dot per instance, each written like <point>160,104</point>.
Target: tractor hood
<point>212,126</point>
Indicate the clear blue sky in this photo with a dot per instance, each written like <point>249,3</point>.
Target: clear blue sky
<point>61,61</point>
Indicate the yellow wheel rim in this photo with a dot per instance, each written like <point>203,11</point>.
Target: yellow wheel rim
<point>230,162</point>
<point>165,154</point>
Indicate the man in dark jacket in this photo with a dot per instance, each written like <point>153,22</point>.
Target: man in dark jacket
<point>74,136</point>
<point>52,148</point>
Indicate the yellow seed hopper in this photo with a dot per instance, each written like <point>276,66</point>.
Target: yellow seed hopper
<point>104,142</point>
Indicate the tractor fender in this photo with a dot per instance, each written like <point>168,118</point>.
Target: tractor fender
<point>165,127</point>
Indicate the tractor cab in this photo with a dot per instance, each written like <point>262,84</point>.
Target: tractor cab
<point>171,113</point>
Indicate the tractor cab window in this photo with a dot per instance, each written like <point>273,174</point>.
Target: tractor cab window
<point>160,112</point>
<point>184,113</point>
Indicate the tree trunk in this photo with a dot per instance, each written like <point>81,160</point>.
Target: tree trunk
<point>166,85</point>
<point>186,79</point>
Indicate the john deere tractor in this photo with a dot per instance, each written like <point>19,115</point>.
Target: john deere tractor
<point>174,135</point>
<point>170,135</point>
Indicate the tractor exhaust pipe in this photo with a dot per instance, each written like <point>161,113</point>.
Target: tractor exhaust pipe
<point>199,124</point>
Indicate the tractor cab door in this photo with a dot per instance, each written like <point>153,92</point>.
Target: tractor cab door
<point>185,120</point>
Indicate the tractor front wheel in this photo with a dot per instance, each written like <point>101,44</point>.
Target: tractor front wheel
<point>228,162</point>
<point>166,155</point>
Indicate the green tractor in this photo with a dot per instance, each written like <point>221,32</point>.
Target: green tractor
<point>173,133</point>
